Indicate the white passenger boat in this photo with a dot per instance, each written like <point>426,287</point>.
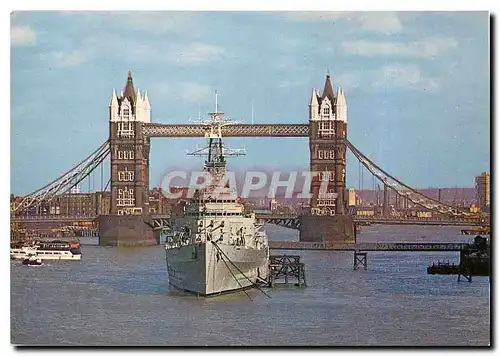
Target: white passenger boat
<point>46,250</point>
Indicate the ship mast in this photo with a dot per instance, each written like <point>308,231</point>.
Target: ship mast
<point>216,151</point>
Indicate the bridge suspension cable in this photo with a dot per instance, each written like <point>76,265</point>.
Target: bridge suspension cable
<point>404,190</point>
<point>65,182</point>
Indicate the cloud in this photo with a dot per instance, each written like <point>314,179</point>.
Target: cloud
<point>111,46</point>
<point>199,53</point>
<point>85,51</point>
<point>193,92</point>
<point>73,58</point>
<point>187,92</point>
<point>375,21</point>
<point>404,76</point>
<point>288,43</point>
<point>347,80</point>
<point>428,48</point>
<point>111,30</point>
<point>108,46</point>
<point>316,15</point>
<point>157,22</point>
<point>153,22</point>
<point>290,83</point>
<point>141,52</point>
<point>386,22</point>
<point>392,77</point>
<point>22,36</point>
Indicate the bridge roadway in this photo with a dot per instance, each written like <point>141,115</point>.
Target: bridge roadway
<point>53,218</point>
<point>417,221</point>
<point>292,221</point>
<point>366,246</point>
<point>69,218</point>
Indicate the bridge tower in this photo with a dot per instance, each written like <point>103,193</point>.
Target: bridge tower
<point>128,222</point>
<point>129,150</point>
<point>327,219</point>
<point>328,130</point>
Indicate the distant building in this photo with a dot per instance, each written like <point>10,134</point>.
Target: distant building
<point>365,212</point>
<point>351,197</point>
<point>103,202</point>
<point>424,214</point>
<point>474,209</point>
<point>273,204</point>
<point>89,204</point>
<point>15,201</point>
<point>72,204</point>
<point>459,197</point>
<point>158,203</point>
<point>482,187</point>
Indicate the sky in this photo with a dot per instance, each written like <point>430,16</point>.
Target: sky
<point>417,86</point>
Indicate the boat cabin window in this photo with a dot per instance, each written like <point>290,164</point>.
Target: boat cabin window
<point>220,201</point>
<point>214,214</point>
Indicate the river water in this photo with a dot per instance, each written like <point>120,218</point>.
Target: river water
<point>121,296</point>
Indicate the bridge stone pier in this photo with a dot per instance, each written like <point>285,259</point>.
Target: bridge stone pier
<point>126,230</point>
<point>337,228</point>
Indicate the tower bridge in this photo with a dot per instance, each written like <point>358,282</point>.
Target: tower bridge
<point>129,222</point>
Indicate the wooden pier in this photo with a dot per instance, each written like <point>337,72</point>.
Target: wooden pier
<point>366,246</point>
<point>476,231</point>
<point>285,269</point>
<point>474,258</point>
<point>360,250</point>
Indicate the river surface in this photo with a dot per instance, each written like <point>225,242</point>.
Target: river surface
<point>121,296</point>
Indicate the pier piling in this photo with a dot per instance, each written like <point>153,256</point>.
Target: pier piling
<point>360,260</point>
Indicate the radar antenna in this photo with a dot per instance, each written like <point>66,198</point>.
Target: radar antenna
<point>216,150</point>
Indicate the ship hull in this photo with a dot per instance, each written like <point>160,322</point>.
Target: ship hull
<point>203,270</point>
